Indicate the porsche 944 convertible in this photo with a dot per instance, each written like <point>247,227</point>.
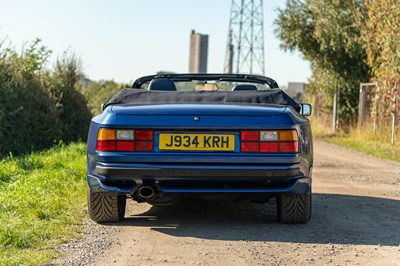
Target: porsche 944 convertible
<point>219,136</point>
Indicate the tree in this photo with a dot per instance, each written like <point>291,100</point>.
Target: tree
<point>328,34</point>
<point>381,35</point>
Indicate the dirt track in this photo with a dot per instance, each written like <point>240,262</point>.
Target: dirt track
<point>355,221</point>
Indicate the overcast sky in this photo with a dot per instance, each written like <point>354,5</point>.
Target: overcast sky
<point>124,39</point>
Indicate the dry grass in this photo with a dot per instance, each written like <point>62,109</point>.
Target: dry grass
<point>367,140</point>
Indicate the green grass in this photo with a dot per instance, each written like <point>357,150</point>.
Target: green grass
<point>43,195</point>
<point>366,140</point>
<point>42,199</point>
<point>375,148</point>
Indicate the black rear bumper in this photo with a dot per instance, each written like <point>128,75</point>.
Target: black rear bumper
<point>192,172</point>
<point>194,180</point>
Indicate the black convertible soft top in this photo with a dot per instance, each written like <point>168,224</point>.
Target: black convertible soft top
<point>143,97</point>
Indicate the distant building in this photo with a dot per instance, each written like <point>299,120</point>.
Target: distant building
<point>198,53</point>
<point>296,90</point>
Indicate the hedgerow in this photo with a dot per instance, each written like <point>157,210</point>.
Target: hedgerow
<point>38,106</point>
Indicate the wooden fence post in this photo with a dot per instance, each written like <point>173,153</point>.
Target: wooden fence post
<point>335,111</point>
<point>394,118</point>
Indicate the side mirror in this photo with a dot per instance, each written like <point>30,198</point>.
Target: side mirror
<point>306,109</point>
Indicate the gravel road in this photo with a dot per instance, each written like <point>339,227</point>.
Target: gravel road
<point>355,221</point>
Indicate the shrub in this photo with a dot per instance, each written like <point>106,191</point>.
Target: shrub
<point>71,105</point>
<point>28,117</point>
<point>39,107</point>
<point>100,92</point>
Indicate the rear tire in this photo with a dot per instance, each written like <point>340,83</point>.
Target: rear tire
<point>294,209</point>
<point>106,207</point>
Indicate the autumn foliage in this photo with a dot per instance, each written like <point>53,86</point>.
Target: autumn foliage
<point>347,42</point>
<point>381,35</point>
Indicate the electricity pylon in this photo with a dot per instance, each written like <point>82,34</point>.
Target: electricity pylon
<point>245,47</point>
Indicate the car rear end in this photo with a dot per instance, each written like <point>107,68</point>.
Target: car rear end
<point>163,152</point>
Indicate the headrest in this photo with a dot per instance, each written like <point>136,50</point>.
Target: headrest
<point>162,85</point>
<point>244,87</point>
<point>206,87</point>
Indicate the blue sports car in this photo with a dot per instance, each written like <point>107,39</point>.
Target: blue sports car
<point>178,136</point>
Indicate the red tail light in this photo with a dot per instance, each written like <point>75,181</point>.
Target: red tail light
<point>269,141</point>
<point>125,146</point>
<point>144,140</point>
<point>144,146</point>
<point>250,135</point>
<point>269,146</point>
<point>144,135</point>
<point>250,146</point>
<point>288,147</point>
<point>124,140</point>
<point>105,145</point>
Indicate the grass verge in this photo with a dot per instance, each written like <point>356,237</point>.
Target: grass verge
<point>365,140</point>
<point>42,198</point>
<point>382,150</point>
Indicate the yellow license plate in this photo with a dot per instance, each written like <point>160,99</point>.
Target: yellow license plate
<point>197,142</point>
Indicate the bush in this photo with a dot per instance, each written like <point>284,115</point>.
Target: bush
<point>74,114</point>
<point>39,107</point>
<point>28,117</point>
<point>100,92</point>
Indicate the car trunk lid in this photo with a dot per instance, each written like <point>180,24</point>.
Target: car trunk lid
<point>208,116</point>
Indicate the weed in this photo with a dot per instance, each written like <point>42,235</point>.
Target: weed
<point>376,142</point>
<point>42,197</point>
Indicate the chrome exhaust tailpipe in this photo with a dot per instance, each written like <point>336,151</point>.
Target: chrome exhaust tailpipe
<point>146,193</point>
